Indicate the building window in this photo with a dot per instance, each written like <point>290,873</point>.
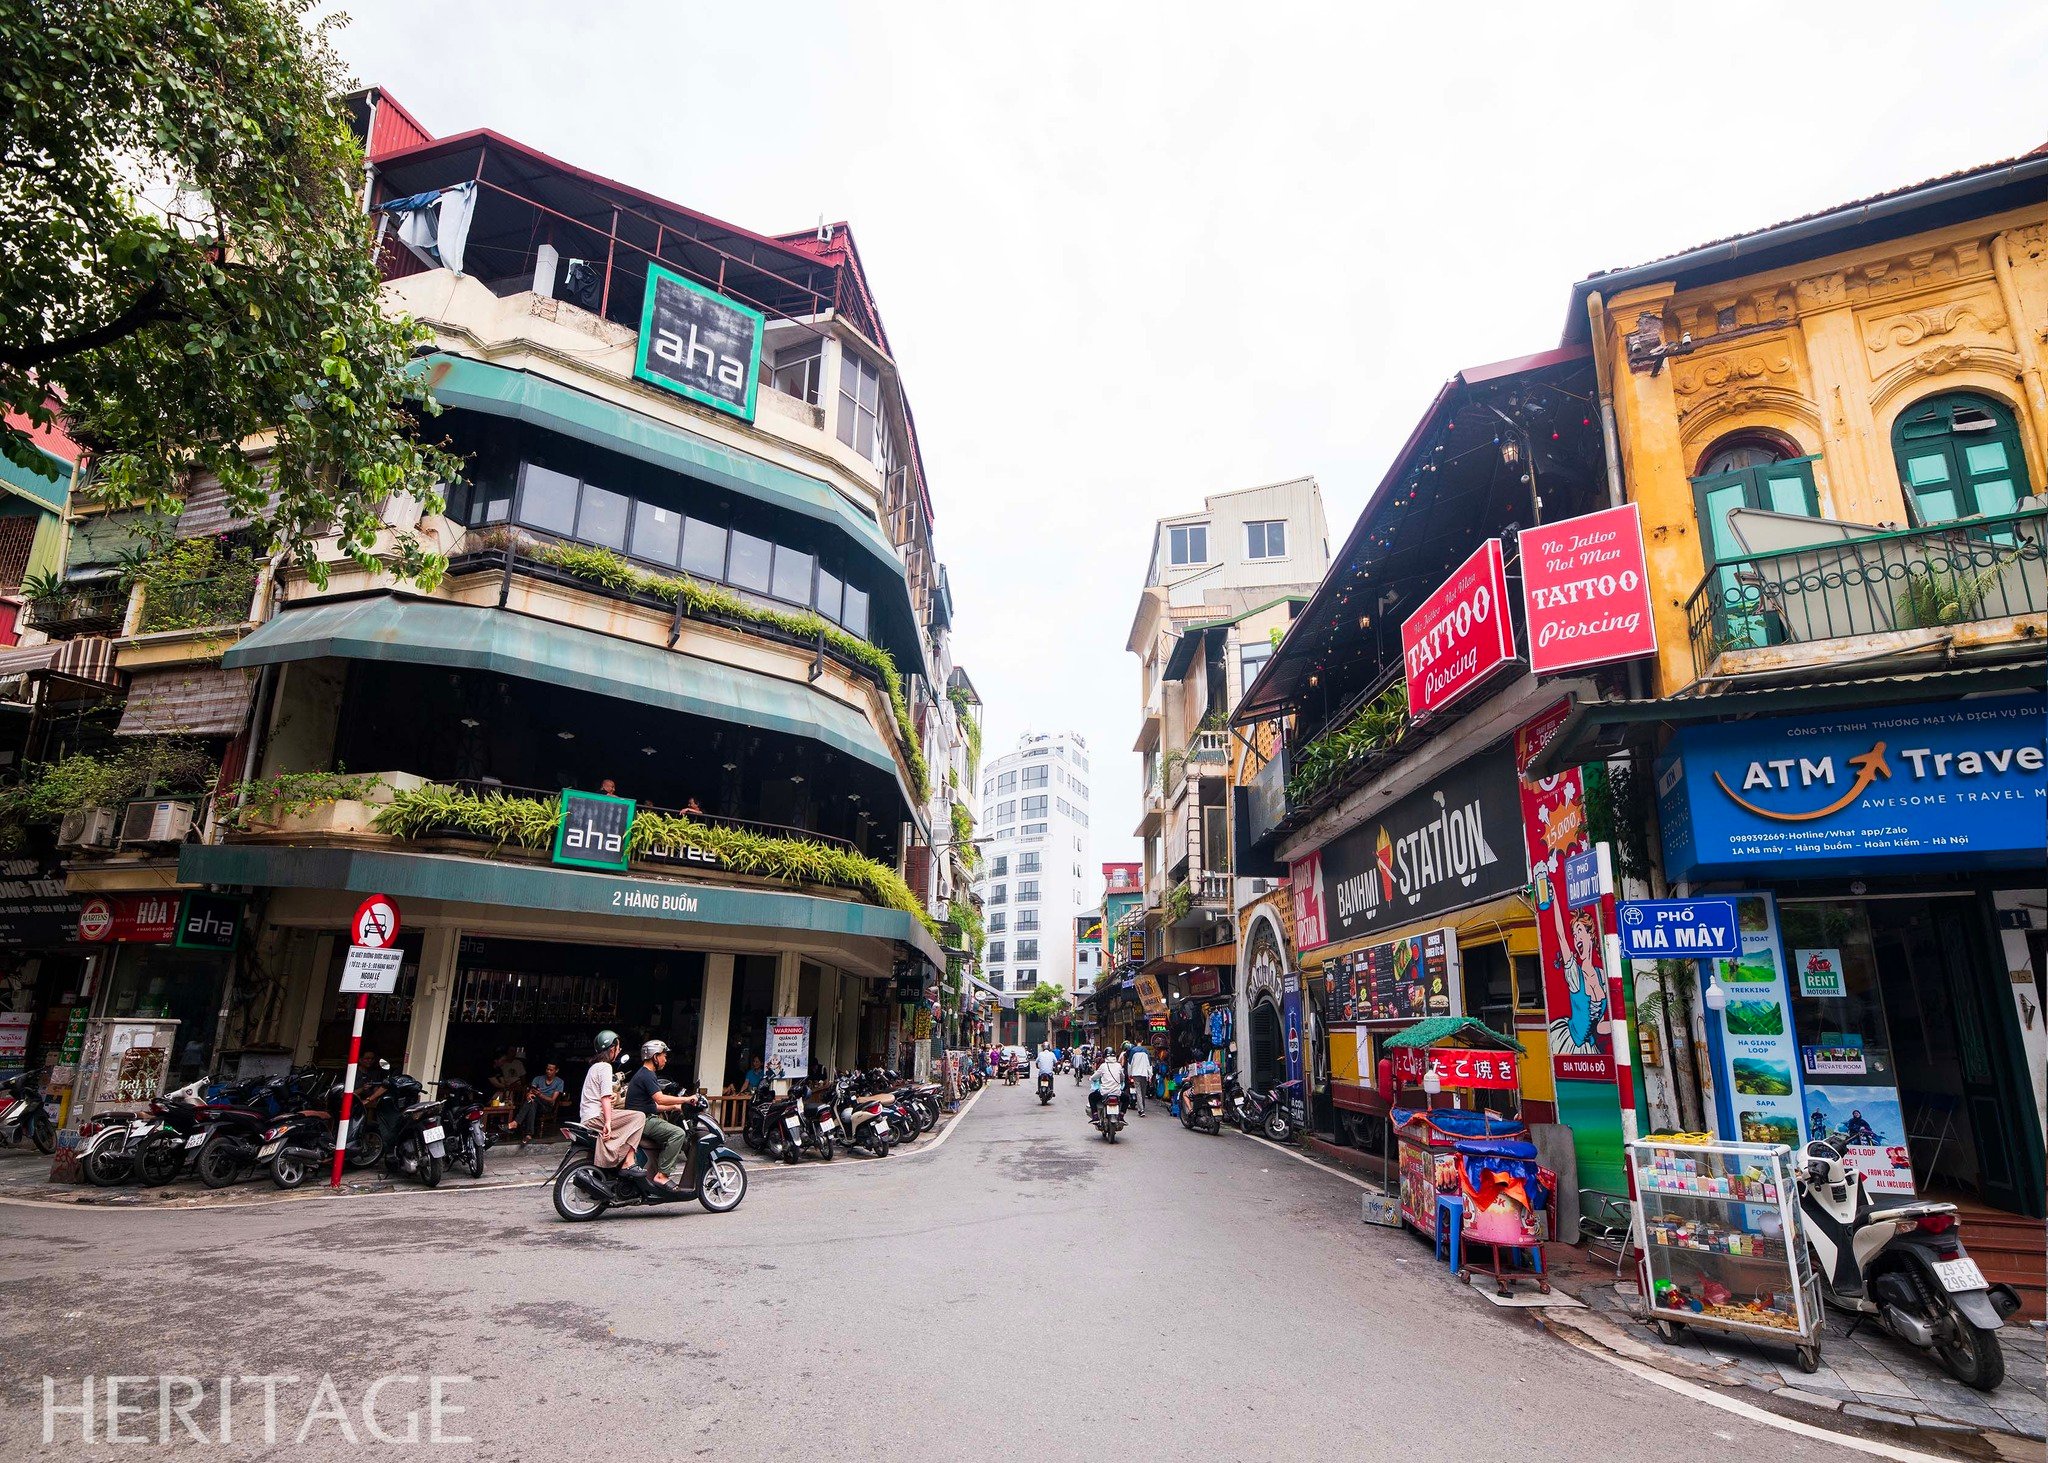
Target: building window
<point>1005,811</point>
<point>996,979</point>
<point>1252,658</point>
<point>1777,486</point>
<point>1031,830</point>
<point>1036,776</point>
<point>1188,544</point>
<point>1267,540</point>
<point>997,923</point>
<point>860,405</point>
<point>17,542</point>
<point>1000,866</point>
<point>1035,807</point>
<point>1027,863</point>
<point>1026,979</point>
<point>1027,891</point>
<point>1027,949</point>
<point>995,952</point>
<point>999,895</point>
<point>1007,781</point>
<point>1959,457</point>
<point>1027,921</point>
<point>547,500</point>
<point>797,370</point>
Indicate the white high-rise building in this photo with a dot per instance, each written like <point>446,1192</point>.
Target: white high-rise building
<point>1035,866</point>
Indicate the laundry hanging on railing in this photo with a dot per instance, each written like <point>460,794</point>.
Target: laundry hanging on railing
<point>435,225</point>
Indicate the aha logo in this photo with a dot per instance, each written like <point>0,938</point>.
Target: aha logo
<point>590,838</point>
<point>728,371</point>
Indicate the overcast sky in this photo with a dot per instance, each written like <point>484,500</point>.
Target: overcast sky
<point>1132,254</point>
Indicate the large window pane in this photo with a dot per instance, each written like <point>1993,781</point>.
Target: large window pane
<point>547,500</point>
<point>750,562</point>
<point>829,595</point>
<point>603,520</point>
<point>856,618</point>
<point>703,548</point>
<point>657,533</point>
<point>792,575</point>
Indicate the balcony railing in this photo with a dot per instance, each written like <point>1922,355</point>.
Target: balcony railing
<point>87,610</point>
<point>197,604</point>
<point>482,788</point>
<point>1873,584</point>
<point>1210,746</point>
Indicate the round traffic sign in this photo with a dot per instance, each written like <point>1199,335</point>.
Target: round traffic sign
<point>95,920</point>
<point>376,922</point>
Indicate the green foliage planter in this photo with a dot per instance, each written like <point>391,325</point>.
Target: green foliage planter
<point>1179,900</point>
<point>147,766</point>
<point>530,823</point>
<point>286,796</point>
<point>1326,761</point>
<point>608,570</point>
<point>195,583</point>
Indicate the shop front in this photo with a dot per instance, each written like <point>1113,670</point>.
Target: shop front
<point>1887,869</point>
<point>165,956</point>
<point>44,965</point>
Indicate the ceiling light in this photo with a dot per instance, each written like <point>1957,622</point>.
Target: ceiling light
<point>647,751</point>
<point>729,766</point>
<point>566,736</point>
<point>471,722</point>
<point>796,777</point>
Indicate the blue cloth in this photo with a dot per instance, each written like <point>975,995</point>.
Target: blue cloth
<point>1581,1019</point>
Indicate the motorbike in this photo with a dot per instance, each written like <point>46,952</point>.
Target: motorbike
<point>23,1117</point>
<point>162,1140</point>
<point>1110,1118</point>
<point>1265,1112</point>
<point>1904,1267</point>
<point>463,1118</point>
<point>297,1146</point>
<point>775,1125</point>
<point>1202,1112</point>
<point>411,1139</point>
<point>714,1175</point>
<point>863,1121</point>
<point>821,1126</point>
<point>1044,1088</point>
<point>231,1143</point>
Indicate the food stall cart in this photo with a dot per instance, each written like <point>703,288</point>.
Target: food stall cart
<point>1722,1244</point>
<point>1472,1062</point>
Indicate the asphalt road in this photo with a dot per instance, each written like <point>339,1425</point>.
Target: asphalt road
<point>1024,1291</point>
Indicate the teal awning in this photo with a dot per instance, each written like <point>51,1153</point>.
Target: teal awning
<point>526,886</point>
<point>478,637</point>
<point>51,492</point>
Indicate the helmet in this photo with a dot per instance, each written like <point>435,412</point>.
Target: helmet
<point>606,1040</point>
<point>652,1049</point>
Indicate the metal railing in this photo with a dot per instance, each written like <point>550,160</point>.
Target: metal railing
<point>80,611</point>
<point>197,604</point>
<point>1913,579</point>
<point>1210,746</point>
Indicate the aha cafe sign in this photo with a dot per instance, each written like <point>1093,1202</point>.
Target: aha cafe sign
<point>1460,635</point>
<point>1586,591</point>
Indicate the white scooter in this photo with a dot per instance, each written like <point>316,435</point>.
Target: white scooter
<point>1903,1266</point>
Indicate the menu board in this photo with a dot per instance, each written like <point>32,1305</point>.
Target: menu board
<point>1401,980</point>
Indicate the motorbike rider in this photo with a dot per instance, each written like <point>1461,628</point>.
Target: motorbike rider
<point>644,1095</point>
<point>596,1108</point>
<point>1109,1077</point>
<point>1047,1060</point>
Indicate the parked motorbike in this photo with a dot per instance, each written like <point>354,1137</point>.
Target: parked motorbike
<point>714,1174</point>
<point>163,1140</point>
<point>1266,1113</point>
<point>1202,1112</point>
<point>297,1146</point>
<point>1110,1116</point>
<point>1044,1088</point>
<point>1903,1266</point>
<point>23,1116</point>
<point>408,1126</point>
<point>462,1116</point>
<point>863,1120</point>
<point>230,1144</point>
<point>821,1125</point>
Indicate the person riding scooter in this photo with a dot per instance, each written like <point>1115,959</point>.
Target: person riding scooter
<point>646,1093</point>
<point>1047,1061</point>
<point>1109,1077</point>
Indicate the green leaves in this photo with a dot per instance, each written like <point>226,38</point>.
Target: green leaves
<point>189,271</point>
<point>1327,760</point>
<point>288,794</point>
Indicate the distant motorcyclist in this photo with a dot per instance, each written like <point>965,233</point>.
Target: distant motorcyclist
<point>1109,1077</point>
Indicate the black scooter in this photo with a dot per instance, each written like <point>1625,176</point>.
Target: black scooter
<point>715,1176</point>
<point>23,1116</point>
<point>462,1116</point>
<point>1265,1113</point>
<point>1044,1088</point>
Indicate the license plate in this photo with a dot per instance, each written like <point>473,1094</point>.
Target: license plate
<point>432,1135</point>
<point>435,1147</point>
<point>195,1140</point>
<point>269,1148</point>
<point>881,1125</point>
<point>1960,1274</point>
<point>792,1122</point>
<point>827,1125</point>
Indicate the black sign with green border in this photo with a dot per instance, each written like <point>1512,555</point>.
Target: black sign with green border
<point>209,922</point>
<point>697,343</point>
<point>596,831</point>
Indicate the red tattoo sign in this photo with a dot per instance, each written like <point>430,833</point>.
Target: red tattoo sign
<point>1586,591</point>
<point>1460,635</point>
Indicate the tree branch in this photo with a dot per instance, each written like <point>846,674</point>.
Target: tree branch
<point>148,306</point>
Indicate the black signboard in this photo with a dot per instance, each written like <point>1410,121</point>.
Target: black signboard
<point>697,343</point>
<point>34,909</point>
<point>1401,980</point>
<point>596,831</point>
<point>1454,842</point>
<point>209,922</point>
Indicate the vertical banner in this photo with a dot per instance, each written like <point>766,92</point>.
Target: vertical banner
<point>1759,1047</point>
<point>787,1052</point>
<point>1290,1024</point>
<point>1575,995</point>
<point>1305,878</point>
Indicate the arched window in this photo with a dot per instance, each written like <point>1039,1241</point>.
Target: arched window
<point>1959,456</point>
<point>1752,470</point>
<point>1749,448</point>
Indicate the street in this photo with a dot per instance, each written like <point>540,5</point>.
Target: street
<point>1024,1290</point>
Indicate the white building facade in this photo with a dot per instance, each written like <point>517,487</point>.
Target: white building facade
<point>1036,866</point>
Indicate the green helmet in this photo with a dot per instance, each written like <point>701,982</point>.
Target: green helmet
<point>606,1040</point>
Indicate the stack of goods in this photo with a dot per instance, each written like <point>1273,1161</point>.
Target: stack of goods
<point>1671,1174</point>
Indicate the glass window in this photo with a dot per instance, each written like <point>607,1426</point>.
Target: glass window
<point>999,895</point>
<point>997,923</point>
<point>856,618</point>
<point>796,370</point>
<point>1743,619</point>
<point>1027,863</point>
<point>1253,657</point>
<point>657,533</point>
<point>1036,776</point>
<point>1027,949</point>
<point>1027,891</point>
<point>1188,544</point>
<point>703,548</point>
<point>1267,540</point>
<point>1959,457</point>
<point>547,500</point>
<point>1000,866</point>
<point>603,519</point>
<point>860,404</point>
<point>1035,807</point>
<point>793,571</point>
<point>831,598</point>
<point>750,562</point>
<point>1027,920</point>
<point>996,954</point>
<point>1006,781</point>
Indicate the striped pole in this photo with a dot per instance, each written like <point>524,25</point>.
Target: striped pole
<point>348,1088</point>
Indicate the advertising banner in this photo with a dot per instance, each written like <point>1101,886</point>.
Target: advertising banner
<point>133,919</point>
<point>1758,1045</point>
<point>596,831</point>
<point>1570,940</point>
<point>1959,782</point>
<point>1402,980</point>
<point>1446,845</point>
<point>1460,635</point>
<point>787,1051</point>
<point>1456,1067</point>
<point>1585,591</point>
<point>697,343</point>
<point>34,907</point>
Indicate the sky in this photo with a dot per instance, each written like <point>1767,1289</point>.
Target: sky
<point>1132,254</point>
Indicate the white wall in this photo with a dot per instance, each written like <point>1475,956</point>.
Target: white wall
<point>1066,857</point>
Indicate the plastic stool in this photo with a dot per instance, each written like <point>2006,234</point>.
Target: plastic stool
<point>1450,1228</point>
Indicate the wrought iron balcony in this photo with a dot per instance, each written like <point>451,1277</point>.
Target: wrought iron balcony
<point>89,609</point>
<point>1875,584</point>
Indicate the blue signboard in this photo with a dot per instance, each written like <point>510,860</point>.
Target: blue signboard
<point>1678,929</point>
<point>1582,878</point>
<point>1959,784</point>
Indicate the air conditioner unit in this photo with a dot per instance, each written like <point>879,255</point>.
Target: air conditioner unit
<point>164,822</point>
<point>87,828</point>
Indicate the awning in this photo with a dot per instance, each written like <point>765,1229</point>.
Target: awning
<point>1463,1031</point>
<point>199,701</point>
<point>1224,955</point>
<point>21,660</point>
<point>478,637</point>
<point>541,886</point>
